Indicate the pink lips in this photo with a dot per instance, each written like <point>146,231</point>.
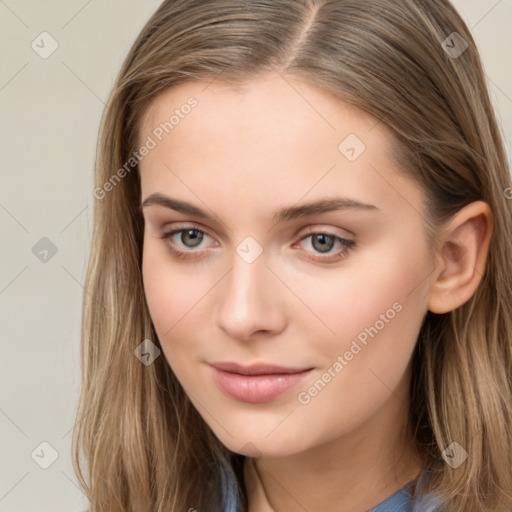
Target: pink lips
<point>257,383</point>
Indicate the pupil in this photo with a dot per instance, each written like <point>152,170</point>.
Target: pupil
<point>323,247</point>
<point>197,237</point>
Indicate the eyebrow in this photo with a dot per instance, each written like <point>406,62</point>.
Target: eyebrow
<point>284,214</point>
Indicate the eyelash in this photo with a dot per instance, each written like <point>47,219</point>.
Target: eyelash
<point>347,245</point>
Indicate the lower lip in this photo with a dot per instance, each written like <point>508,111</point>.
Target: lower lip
<point>257,388</point>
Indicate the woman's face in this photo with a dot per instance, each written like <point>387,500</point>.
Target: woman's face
<point>291,311</point>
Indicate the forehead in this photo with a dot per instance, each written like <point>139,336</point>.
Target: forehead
<point>281,104</point>
<point>269,136</point>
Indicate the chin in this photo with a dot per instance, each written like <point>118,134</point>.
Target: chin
<point>254,440</point>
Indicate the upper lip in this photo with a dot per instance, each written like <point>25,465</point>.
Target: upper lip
<point>255,369</point>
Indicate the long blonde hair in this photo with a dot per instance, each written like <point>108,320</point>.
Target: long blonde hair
<point>139,444</point>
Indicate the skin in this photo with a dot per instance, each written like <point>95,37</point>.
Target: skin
<point>242,154</point>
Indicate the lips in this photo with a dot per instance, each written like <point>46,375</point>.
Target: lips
<point>258,382</point>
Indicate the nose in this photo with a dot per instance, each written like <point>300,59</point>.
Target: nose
<point>251,300</point>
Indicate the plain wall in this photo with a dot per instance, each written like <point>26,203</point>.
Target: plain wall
<point>50,114</point>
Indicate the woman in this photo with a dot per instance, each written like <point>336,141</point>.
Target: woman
<point>299,288</point>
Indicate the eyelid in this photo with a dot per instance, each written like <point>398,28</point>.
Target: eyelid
<point>329,231</point>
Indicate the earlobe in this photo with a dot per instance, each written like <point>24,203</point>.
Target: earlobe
<point>462,257</point>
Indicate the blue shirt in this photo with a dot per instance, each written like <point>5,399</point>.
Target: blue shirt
<point>403,501</point>
<point>400,501</point>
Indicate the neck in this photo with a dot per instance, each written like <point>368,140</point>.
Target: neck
<point>354,472</point>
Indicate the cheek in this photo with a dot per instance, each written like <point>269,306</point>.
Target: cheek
<point>360,374</point>
<point>375,311</point>
<point>168,291</point>
<point>178,300</point>
<point>374,282</point>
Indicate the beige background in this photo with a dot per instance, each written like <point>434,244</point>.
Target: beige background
<point>50,113</point>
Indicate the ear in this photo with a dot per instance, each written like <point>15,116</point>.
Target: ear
<point>461,256</point>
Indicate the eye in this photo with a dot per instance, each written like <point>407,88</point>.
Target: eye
<point>323,242</point>
<point>191,238</point>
